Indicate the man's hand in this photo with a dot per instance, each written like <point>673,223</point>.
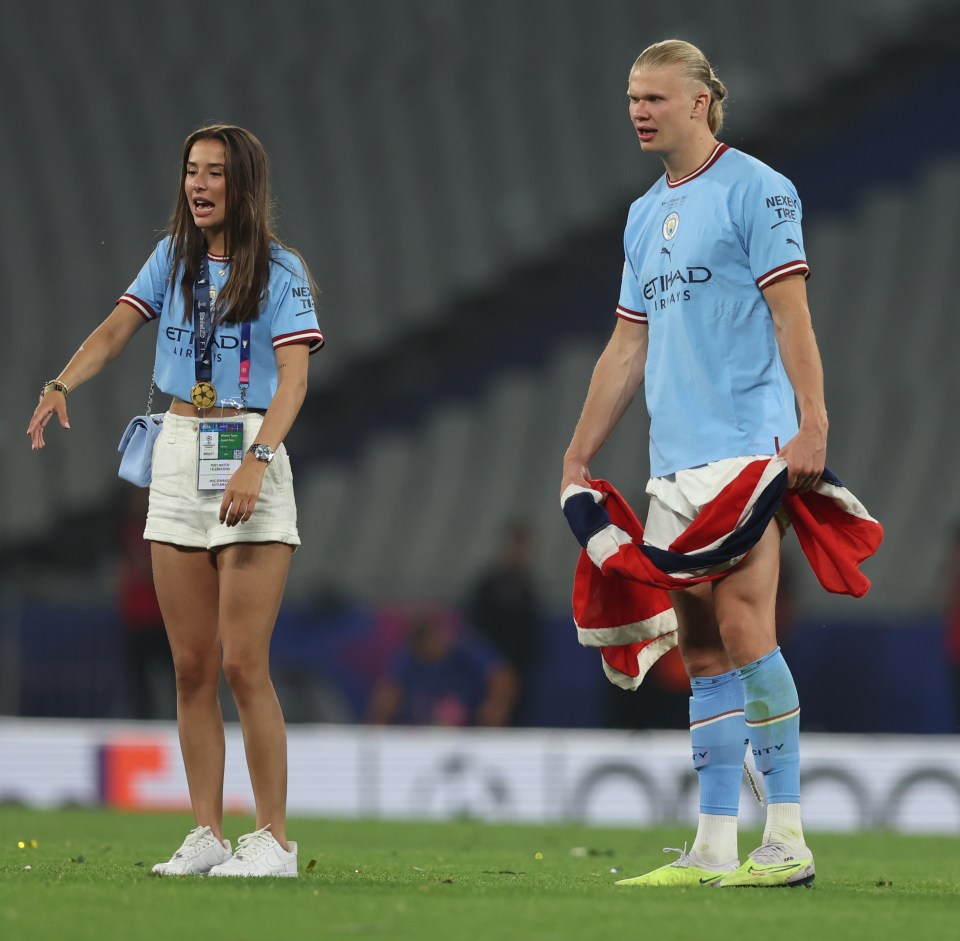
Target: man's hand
<point>806,456</point>
<point>574,472</point>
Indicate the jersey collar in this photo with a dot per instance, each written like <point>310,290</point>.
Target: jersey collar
<point>706,165</point>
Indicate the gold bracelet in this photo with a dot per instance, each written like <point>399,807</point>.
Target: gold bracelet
<point>54,385</point>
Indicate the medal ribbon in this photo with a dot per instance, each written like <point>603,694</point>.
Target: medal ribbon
<point>202,322</point>
<point>244,361</point>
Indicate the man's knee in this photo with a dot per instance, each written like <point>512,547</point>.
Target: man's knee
<point>748,637</point>
<point>701,646</point>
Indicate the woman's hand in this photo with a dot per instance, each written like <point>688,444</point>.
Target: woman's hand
<point>243,491</point>
<point>100,349</point>
<point>52,403</point>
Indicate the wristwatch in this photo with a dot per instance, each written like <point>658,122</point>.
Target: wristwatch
<point>54,385</point>
<point>262,452</point>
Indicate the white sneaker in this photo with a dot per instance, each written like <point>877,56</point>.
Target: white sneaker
<point>259,854</point>
<point>199,853</point>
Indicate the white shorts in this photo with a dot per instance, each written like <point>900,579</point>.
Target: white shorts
<point>184,516</point>
<point>677,499</point>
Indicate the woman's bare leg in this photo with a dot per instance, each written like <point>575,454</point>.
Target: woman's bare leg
<point>252,579</point>
<point>187,588</point>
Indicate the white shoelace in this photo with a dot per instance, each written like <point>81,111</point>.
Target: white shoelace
<point>196,841</point>
<point>772,853</point>
<point>684,859</point>
<point>687,860</point>
<point>251,845</point>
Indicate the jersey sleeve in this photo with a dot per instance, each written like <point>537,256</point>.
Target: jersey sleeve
<point>147,292</point>
<point>771,228</point>
<point>294,316</point>
<point>631,305</point>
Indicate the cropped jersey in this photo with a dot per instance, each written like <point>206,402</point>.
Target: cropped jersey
<point>288,316</point>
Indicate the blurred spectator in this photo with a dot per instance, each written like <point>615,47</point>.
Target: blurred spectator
<point>952,623</point>
<point>504,608</point>
<point>443,677</point>
<point>147,660</point>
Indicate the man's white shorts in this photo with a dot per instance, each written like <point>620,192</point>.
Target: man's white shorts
<point>184,516</point>
<point>677,499</point>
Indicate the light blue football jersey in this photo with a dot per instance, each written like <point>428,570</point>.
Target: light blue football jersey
<point>288,316</point>
<point>699,252</point>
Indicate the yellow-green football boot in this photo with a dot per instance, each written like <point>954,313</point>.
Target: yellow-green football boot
<point>685,871</point>
<point>773,865</point>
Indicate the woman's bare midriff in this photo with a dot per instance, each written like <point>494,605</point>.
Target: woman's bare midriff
<point>189,410</point>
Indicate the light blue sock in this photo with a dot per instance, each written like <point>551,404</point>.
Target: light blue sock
<point>719,737</point>
<point>772,711</point>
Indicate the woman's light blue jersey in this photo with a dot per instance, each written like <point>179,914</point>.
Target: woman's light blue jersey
<point>699,252</point>
<point>288,316</point>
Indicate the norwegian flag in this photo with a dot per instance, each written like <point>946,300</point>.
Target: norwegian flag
<point>620,600</point>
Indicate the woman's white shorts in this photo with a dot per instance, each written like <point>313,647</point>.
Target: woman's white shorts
<point>181,514</point>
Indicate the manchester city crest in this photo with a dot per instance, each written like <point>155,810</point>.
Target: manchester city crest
<point>670,226</point>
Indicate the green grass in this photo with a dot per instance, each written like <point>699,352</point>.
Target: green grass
<point>89,877</point>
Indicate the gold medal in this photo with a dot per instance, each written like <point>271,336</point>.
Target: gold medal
<point>203,395</point>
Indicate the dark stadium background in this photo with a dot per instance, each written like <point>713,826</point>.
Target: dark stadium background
<point>457,175</point>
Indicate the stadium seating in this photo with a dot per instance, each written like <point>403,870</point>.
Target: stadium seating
<point>427,504</point>
<point>422,153</point>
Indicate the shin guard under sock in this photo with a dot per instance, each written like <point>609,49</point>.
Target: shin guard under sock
<point>718,739</point>
<point>772,711</point>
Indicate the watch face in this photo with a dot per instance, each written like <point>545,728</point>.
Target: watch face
<point>262,452</point>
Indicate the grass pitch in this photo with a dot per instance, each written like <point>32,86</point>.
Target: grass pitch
<point>89,878</point>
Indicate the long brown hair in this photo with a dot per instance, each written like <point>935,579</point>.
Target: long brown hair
<point>248,226</point>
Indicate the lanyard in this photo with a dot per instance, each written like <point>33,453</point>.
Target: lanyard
<point>202,323</point>
<point>203,327</point>
<point>244,362</point>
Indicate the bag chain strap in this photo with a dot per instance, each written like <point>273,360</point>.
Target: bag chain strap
<point>150,394</point>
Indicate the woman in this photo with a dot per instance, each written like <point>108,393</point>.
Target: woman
<point>236,327</point>
<point>713,317</point>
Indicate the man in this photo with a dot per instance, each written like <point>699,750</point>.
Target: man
<point>713,316</point>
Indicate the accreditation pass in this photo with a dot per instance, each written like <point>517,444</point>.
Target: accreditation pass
<point>220,453</point>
